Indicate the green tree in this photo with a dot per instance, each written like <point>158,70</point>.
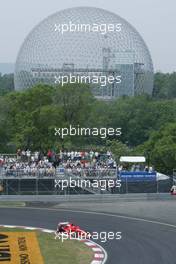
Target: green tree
<point>6,83</point>
<point>161,147</point>
<point>76,102</point>
<point>118,148</point>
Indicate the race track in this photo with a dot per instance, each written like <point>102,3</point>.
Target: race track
<point>142,242</point>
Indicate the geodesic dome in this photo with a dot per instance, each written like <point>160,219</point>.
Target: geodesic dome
<point>47,52</point>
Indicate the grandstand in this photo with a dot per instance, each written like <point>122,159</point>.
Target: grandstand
<point>76,172</point>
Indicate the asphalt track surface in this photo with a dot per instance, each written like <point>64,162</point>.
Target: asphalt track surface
<point>143,242</point>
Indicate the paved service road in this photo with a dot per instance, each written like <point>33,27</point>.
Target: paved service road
<point>142,242</point>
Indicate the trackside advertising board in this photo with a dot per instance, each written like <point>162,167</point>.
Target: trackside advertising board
<point>137,176</point>
<point>19,248</point>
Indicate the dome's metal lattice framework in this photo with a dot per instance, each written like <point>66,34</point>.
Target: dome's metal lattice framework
<point>46,53</point>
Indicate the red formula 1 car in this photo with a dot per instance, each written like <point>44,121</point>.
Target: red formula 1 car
<point>72,230</point>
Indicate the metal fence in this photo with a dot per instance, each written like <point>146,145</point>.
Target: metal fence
<point>58,172</point>
<point>162,186</point>
<point>46,181</point>
<point>27,173</point>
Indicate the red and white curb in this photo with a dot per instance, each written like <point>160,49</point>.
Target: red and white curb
<point>100,254</point>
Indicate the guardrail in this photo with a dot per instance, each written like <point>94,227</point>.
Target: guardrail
<point>87,198</point>
<point>56,173</point>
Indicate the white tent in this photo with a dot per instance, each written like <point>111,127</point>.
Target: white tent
<point>133,159</point>
<point>161,177</point>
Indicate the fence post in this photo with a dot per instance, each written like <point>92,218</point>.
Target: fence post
<point>157,186</point>
<point>126,185</point>
<point>173,176</point>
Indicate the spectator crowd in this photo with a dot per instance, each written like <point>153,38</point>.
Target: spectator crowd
<point>80,163</point>
<point>70,163</point>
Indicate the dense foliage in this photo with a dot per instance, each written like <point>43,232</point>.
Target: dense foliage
<point>6,83</point>
<point>28,120</point>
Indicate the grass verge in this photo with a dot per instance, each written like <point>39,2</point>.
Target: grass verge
<point>56,252</point>
<point>12,204</point>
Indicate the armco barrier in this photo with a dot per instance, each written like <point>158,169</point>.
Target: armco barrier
<point>87,198</point>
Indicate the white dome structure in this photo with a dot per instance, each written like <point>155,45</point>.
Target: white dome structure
<point>82,49</point>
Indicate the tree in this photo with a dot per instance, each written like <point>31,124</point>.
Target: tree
<point>162,148</point>
<point>6,83</point>
<point>76,101</point>
<point>164,85</point>
<point>118,148</point>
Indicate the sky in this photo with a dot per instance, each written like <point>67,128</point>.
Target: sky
<point>155,20</point>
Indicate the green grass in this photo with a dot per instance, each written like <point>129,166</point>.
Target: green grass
<point>11,204</point>
<point>56,252</point>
